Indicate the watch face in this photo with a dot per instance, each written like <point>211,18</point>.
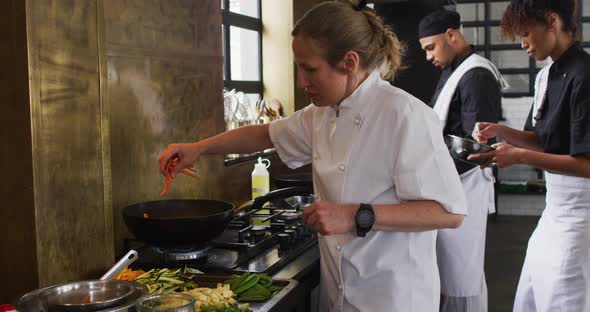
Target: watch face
<point>364,218</point>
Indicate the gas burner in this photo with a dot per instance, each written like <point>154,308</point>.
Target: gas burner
<point>289,216</point>
<point>258,232</point>
<point>254,234</point>
<point>184,253</point>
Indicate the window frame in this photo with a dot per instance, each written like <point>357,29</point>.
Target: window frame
<point>229,19</point>
<point>487,48</point>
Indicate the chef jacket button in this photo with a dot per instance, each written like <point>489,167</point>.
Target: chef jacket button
<point>564,75</point>
<point>339,286</point>
<point>341,167</point>
<point>338,247</point>
<point>357,120</point>
<point>315,157</point>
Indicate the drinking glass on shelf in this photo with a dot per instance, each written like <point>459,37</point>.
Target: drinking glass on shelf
<point>173,302</point>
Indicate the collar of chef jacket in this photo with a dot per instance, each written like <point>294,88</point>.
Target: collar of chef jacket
<point>355,103</point>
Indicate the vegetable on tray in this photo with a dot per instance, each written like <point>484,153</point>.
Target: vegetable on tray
<point>251,287</point>
<point>129,275</point>
<point>160,281</point>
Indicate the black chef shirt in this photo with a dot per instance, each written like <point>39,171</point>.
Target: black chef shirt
<point>563,125</point>
<point>477,98</point>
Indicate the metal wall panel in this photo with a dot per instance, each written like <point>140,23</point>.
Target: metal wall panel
<point>67,148</point>
<point>163,85</point>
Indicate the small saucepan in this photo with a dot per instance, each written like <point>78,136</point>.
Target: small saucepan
<point>460,148</point>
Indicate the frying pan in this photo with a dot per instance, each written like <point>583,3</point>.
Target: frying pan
<point>178,222</point>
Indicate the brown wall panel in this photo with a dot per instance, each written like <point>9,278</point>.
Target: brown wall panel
<point>67,150</point>
<point>164,85</point>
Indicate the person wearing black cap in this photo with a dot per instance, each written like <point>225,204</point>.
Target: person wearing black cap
<point>468,91</point>
<point>556,138</point>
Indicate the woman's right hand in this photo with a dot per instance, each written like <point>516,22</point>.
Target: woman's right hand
<point>484,131</point>
<point>187,154</point>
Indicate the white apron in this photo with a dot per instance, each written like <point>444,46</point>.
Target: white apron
<point>556,271</point>
<point>461,252</point>
<point>443,102</point>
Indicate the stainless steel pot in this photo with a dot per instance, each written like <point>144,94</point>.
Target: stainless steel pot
<point>36,300</point>
<point>124,262</point>
<point>460,148</point>
<point>86,295</point>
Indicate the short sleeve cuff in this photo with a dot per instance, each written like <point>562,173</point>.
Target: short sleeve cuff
<point>277,129</point>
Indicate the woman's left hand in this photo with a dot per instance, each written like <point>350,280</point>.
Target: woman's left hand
<point>504,155</point>
<point>329,218</point>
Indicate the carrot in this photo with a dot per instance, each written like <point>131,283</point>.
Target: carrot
<point>172,162</point>
<point>145,216</point>
<point>167,185</point>
<point>189,174</point>
<point>129,275</point>
<point>190,168</point>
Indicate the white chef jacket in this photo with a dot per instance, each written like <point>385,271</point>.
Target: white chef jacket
<point>382,146</point>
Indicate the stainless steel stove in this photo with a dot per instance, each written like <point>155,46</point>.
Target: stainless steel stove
<point>257,240</point>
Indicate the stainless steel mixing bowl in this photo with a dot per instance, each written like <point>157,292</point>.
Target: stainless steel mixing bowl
<point>460,148</point>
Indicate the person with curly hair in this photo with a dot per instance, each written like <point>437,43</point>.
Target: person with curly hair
<point>556,271</point>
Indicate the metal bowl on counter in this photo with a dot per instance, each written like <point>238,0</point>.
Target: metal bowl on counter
<point>299,202</point>
<point>460,148</point>
<point>101,295</point>
<point>87,295</point>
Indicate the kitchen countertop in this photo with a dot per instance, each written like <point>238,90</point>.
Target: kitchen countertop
<point>301,266</point>
<point>305,269</point>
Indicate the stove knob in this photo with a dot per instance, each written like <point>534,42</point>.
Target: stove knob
<point>257,234</point>
<point>241,236</point>
<point>306,230</point>
<point>298,230</point>
<point>293,234</point>
<point>284,241</point>
<point>276,227</point>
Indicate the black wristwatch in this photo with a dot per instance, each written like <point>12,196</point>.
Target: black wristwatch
<point>364,219</point>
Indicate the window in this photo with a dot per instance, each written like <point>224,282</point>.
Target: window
<point>481,26</point>
<point>242,46</point>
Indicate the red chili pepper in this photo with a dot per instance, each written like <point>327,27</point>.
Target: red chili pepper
<point>6,307</point>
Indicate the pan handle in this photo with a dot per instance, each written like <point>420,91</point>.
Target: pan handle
<point>121,265</point>
<point>280,193</point>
